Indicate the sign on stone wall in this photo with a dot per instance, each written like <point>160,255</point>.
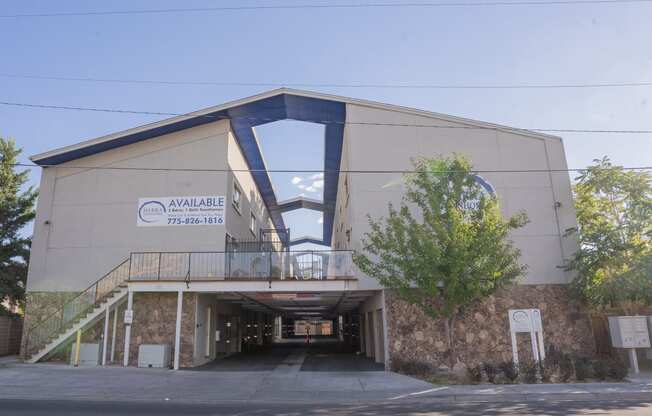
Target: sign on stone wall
<point>180,210</point>
<point>528,321</point>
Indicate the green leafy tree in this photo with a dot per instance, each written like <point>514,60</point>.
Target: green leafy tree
<point>446,246</point>
<point>614,216</point>
<point>16,211</point>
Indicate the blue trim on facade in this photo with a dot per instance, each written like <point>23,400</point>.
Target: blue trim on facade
<point>310,240</point>
<point>299,203</point>
<point>243,118</point>
<point>132,138</point>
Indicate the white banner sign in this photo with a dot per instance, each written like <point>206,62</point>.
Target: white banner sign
<point>180,210</point>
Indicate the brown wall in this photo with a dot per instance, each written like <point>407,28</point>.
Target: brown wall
<point>10,333</point>
<point>482,333</point>
<point>154,323</point>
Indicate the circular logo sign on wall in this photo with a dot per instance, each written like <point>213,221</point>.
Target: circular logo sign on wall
<point>151,212</point>
<point>486,190</point>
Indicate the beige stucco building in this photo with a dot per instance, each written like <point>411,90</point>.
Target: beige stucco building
<point>178,223</point>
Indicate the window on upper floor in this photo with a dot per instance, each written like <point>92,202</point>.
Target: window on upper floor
<point>252,224</point>
<point>237,196</point>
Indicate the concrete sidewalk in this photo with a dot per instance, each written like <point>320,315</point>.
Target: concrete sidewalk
<point>62,382</point>
<point>7,360</point>
<point>54,381</point>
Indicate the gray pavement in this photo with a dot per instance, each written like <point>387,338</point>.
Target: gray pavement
<point>62,382</point>
<point>551,408</point>
<point>54,381</point>
<point>6,360</point>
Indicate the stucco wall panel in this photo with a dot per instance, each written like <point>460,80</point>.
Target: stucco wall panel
<point>92,215</point>
<point>373,147</point>
<point>71,226</point>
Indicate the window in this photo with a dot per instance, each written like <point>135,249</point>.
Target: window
<point>236,197</point>
<point>252,224</point>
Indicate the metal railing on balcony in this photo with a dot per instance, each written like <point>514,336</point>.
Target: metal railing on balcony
<point>263,265</point>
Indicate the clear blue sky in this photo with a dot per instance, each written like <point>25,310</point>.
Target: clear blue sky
<point>481,45</point>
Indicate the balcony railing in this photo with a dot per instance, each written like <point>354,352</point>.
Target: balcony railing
<point>267,265</point>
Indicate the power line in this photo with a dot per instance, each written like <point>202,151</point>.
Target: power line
<point>335,85</point>
<point>383,5</point>
<point>326,171</point>
<point>360,123</point>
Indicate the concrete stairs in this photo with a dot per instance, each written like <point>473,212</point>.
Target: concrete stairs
<point>83,321</point>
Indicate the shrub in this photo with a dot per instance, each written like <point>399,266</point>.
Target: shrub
<point>582,368</point>
<point>411,367</point>
<point>600,370</point>
<point>616,369</point>
<point>474,374</point>
<point>491,371</point>
<point>549,367</point>
<point>565,368</point>
<point>528,370</point>
<point>510,370</point>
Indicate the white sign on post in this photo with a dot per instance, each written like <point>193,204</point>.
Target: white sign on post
<point>527,320</point>
<point>629,332</point>
<point>129,317</point>
<point>180,210</point>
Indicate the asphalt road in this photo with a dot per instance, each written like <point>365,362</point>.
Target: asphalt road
<point>422,408</point>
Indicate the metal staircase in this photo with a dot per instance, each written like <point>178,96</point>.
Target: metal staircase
<point>80,312</point>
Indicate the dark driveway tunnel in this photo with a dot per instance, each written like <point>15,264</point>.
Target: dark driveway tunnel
<point>276,332</point>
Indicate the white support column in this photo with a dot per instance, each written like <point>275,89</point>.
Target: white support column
<point>514,348</point>
<point>130,304</point>
<point>385,332</point>
<point>177,334</point>
<point>106,336</point>
<point>115,331</point>
<point>633,360</point>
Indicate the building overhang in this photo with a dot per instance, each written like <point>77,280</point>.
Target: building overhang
<point>258,286</point>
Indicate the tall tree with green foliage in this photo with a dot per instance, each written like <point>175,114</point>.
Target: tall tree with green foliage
<point>614,216</point>
<point>446,246</point>
<point>16,211</point>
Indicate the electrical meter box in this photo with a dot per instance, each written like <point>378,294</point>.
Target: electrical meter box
<point>154,355</point>
<point>629,332</point>
<point>89,354</point>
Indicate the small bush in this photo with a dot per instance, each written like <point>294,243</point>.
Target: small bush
<point>565,368</point>
<point>474,374</point>
<point>582,368</point>
<point>616,369</point>
<point>550,365</point>
<point>491,371</point>
<point>509,370</point>
<point>411,367</point>
<point>600,369</point>
<point>549,368</point>
<point>528,370</point>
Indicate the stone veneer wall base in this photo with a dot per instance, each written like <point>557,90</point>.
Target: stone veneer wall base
<point>154,322</point>
<point>482,334</point>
